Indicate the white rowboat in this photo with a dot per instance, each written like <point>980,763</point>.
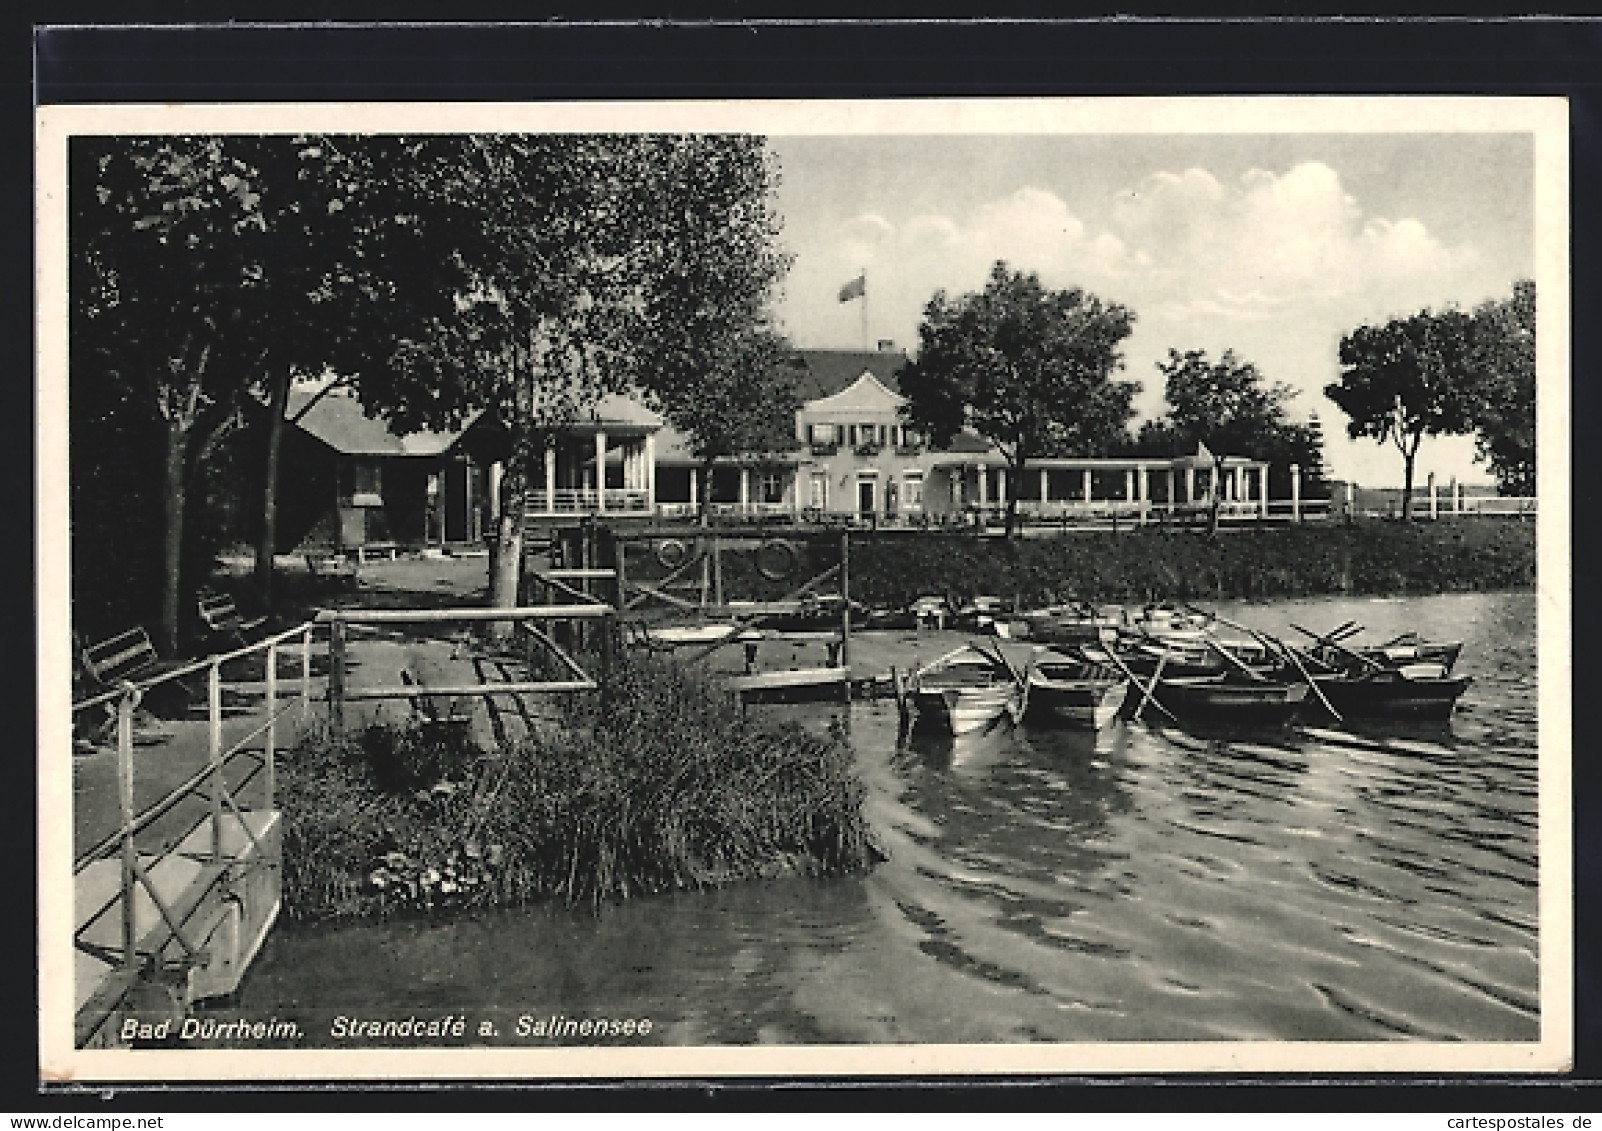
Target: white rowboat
<point>1075,691</point>
<point>966,690</point>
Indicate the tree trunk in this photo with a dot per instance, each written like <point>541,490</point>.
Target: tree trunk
<point>267,545</point>
<point>506,549</point>
<point>705,507</point>
<point>1215,497</point>
<point>1408,458</point>
<point>1014,481</point>
<point>176,496</point>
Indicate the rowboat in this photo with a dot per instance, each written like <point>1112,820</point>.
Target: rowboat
<point>1074,690</point>
<point>983,614</point>
<point>815,614</point>
<point>1227,699</point>
<point>1414,691</point>
<point>966,690</point>
<point>1334,650</point>
<point>1411,648</point>
<point>1072,624</point>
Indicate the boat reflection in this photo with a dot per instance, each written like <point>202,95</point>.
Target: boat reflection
<point>938,749</point>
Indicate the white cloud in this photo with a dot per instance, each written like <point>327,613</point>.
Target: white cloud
<point>1274,264</point>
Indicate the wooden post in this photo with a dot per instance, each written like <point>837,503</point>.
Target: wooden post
<point>706,572</point>
<point>619,552</point>
<point>125,794</point>
<point>608,642</point>
<point>1435,504</point>
<point>214,754</point>
<point>270,769</point>
<point>305,675</point>
<point>1296,492</point>
<point>550,477</point>
<point>336,673</point>
<point>845,611</point>
<point>717,571</point>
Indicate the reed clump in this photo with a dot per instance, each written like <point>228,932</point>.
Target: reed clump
<point>666,789</point>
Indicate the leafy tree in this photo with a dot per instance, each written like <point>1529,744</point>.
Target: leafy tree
<point>350,267</point>
<point>162,236</point>
<point>1231,407</point>
<point>745,401</point>
<point>710,361</point>
<point>208,270</point>
<point>1410,378</point>
<point>1506,345</point>
<point>1025,367</point>
<point>597,264</point>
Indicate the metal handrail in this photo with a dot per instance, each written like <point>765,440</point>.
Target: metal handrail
<point>191,668</point>
<point>186,788</point>
<point>221,795</point>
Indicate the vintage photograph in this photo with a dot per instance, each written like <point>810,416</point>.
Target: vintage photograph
<point>804,588</point>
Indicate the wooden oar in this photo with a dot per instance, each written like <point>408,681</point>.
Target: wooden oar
<point>1332,638</point>
<point>1236,660</point>
<point>951,655</point>
<point>1148,694</point>
<point>1372,664</point>
<point>1002,656</point>
<point>1313,683</point>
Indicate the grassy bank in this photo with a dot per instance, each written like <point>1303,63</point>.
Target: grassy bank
<point>671,789</point>
<point>1371,558</point>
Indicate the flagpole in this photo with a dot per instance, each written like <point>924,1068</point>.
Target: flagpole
<point>863,275</point>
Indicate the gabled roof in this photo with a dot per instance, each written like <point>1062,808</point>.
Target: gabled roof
<point>823,373</point>
<point>338,420</point>
<point>614,411</point>
<point>866,394</point>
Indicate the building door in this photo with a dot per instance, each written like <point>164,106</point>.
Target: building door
<point>865,496</point>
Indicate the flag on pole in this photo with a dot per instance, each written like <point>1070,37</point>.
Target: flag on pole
<point>856,288</point>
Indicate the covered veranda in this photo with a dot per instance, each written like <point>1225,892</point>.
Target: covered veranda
<point>604,463</point>
<point>1140,488</point>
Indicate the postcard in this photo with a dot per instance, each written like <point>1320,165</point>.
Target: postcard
<point>786,588</point>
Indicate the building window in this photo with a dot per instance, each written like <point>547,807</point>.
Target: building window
<point>771,487</point>
<point>818,496</point>
<point>367,488</point>
<point>868,438</point>
<point>823,433</point>
<point>912,490</point>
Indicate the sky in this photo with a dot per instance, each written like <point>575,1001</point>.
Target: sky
<point>1271,245</point>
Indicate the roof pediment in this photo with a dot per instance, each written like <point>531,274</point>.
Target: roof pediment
<point>865,394</point>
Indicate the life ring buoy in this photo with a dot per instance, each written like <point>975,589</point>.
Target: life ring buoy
<point>781,570</point>
<point>670,553</point>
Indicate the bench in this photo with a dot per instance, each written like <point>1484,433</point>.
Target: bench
<point>332,567</point>
<point>127,658</point>
<point>221,617</point>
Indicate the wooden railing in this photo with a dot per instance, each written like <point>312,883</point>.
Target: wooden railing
<point>586,500</point>
<point>339,620</point>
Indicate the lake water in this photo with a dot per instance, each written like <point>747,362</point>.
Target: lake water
<point>1046,885</point>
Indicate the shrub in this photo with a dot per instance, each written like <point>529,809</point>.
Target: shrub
<point>669,789</point>
<point>1369,558</point>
